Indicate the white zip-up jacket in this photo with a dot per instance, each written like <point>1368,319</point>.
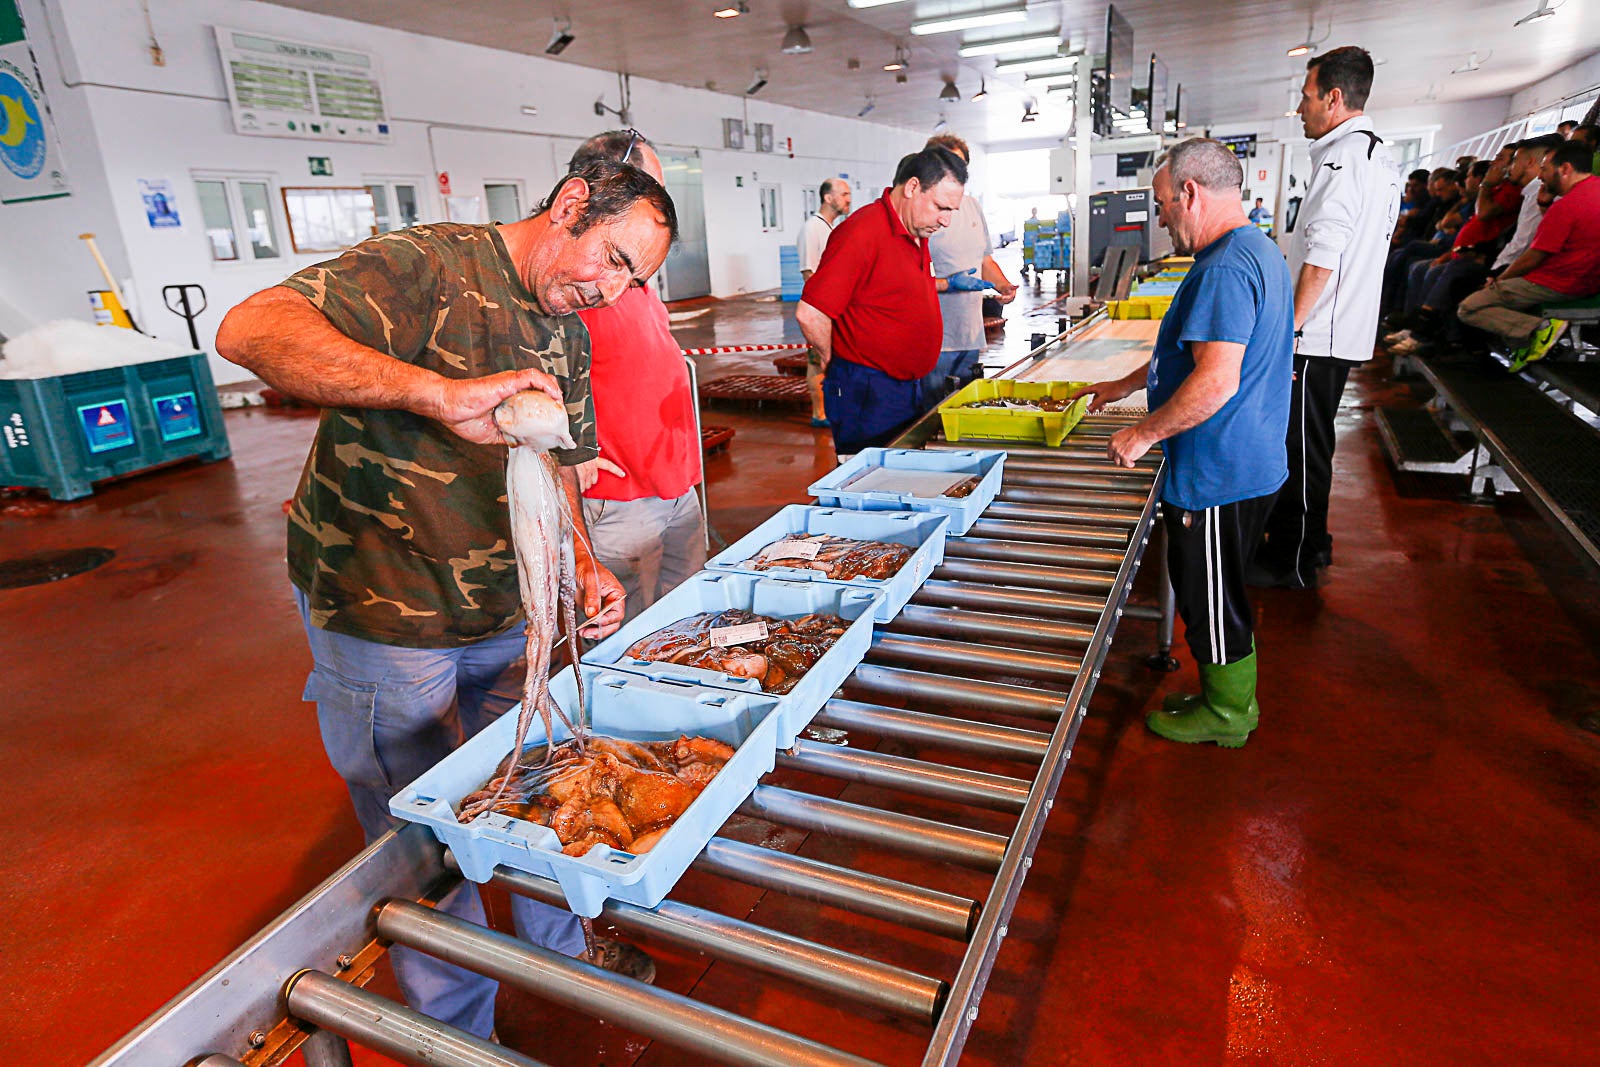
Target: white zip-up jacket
<point>1345,223</point>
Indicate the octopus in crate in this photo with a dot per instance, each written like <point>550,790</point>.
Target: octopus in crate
<point>963,488</point>
<point>1012,403</point>
<point>621,793</point>
<point>778,661</point>
<point>841,558</point>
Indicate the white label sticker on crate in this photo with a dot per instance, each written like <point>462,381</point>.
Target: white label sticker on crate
<point>723,636</point>
<point>792,550</point>
<point>1135,216</point>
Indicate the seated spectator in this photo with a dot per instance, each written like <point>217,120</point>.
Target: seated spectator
<point>1562,263</point>
<point>1564,130</point>
<point>1529,159</point>
<point>1589,134</point>
<point>1436,286</point>
<point>1441,223</point>
<point>1414,203</point>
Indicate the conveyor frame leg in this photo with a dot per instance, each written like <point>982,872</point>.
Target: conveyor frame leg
<point>324,1048</point>
<point>1162,659</point>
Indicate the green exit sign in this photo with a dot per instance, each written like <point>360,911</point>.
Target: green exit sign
<point>321,166</point>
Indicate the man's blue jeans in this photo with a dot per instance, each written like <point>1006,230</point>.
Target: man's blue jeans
<point>389,713</point>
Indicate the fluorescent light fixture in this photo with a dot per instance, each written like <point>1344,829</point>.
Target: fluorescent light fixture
<point>874,3</point>
<point>1300,49</point>
<point>998,16</point>
<point>562,37</point>
<point>796,42</point>
<point>758,83</point>
<point>1539,14</point>
<point>529,110</point>
<point>1473,63</point>
<point>1009,44</point>
<point>983,89</point>
<point>732,11</point>
<point>1034,62</point>
<point>1059,78</point>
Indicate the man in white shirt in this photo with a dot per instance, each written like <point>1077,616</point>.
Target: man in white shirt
<point>1337,258</point>
<point>835,205</point>
<point>1529,158</point>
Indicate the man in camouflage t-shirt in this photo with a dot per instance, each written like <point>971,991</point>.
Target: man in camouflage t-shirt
<point>399,533</point>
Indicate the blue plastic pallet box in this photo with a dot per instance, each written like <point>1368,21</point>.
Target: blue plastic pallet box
<point>923,533</point>
<point>67,432</point>
<point>833,491</point>
<point>790,281</point>
<point>624,706</point>
<point>775,597</point>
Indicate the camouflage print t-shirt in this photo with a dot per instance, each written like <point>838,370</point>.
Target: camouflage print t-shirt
<point>399,532</point>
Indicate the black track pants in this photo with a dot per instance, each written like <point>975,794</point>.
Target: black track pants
<point>1207,552</point>
<point>1297,528</point>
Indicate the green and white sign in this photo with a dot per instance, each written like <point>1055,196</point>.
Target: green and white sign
<point>282,88</point>
<point>321,166</point>
<point>30,150</point>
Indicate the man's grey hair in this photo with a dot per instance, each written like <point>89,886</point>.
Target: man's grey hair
<point>611,145</point>
<point>1207,163</point>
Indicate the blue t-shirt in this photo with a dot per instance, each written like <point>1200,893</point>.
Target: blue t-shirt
<point>1238,291</point>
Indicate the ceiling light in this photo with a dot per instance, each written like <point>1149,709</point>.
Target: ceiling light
<point>873,3</point>
<point>530,110</point>
<point>1300,49</point>
<point>899,62</point>
<point>732,11</point>
<point>1009,44</point>
<point>983,89</point>
<point>562,37</point>
<point>1312,41</point>
<point>950,94</point>
<point>757,83</point>
<point>1473,63</point>
<point>868,109</point>
<point>1068,78</point>
<point>1033,62</point>
<point>796,42</point>
<point>1542,12</point>
<point>972,20</point>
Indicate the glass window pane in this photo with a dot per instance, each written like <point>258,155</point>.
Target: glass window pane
<point>380,208</point>
<point>218,220</point>
<point>258,219</point>
<point>405,205</point>
<point>505,203</point>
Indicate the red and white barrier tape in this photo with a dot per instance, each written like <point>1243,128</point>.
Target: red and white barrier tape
<point>739,348</point>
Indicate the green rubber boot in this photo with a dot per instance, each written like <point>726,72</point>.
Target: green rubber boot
<point>1227,713</point>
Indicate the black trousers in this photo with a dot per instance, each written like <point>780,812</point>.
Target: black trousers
<point>1297,528</point>
<point>1207,552</point>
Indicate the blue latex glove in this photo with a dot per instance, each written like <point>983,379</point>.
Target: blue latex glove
<point>966,281</point>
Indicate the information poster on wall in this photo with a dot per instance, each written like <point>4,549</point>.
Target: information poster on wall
<point>160,203</point>
<point>282,88</point>
<point>30,150</point>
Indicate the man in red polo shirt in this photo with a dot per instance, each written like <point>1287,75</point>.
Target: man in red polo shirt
<point>1562,262</point>
<point>639,499</point>
<point>872,307</point>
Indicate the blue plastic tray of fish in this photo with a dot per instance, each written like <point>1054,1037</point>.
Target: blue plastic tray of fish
<point>771,597</point>
<point>834,490</point>
<point>624,706</point>
<point>922,533</point>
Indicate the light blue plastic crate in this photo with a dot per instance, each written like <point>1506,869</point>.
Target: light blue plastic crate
<point>621,705</point>
<point>833,491</point>
<point>923,533</point>
<point>776,597</point>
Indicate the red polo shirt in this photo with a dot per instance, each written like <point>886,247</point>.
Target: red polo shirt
<point>875,282</point>
<point>1570,233</point>
<point>643,410</point>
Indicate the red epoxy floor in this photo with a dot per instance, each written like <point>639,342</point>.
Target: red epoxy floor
<point>1398,869</point>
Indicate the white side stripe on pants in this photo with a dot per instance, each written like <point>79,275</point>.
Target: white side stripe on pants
<point>1213,583</point>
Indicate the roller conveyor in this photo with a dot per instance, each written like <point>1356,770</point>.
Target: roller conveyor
<point>958,728</point>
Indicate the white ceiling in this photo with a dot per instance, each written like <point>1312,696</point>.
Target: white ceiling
<point>1228,56</point>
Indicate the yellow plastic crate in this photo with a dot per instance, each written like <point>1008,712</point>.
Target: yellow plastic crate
<point>1049,427</point>
<point>1140,307</point>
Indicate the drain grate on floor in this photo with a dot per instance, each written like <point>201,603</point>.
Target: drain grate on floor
<point>51,566</point>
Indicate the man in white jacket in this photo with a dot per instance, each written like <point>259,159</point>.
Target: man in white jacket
<point>1337,255</point>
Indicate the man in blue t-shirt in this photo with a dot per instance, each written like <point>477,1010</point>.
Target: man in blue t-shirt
<point>1219,383</point>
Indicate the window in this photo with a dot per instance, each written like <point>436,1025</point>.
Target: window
<point>238,218</point>
<point>395,203</point>
<point>504,200</point>
<point>771,219</point>
<point>328,218</point>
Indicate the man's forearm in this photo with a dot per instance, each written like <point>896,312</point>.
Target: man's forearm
<point>817,329</point>
<point>1522,264</point>
<point>569,485</point>
<point>991,273</point>
<point>1308,289</point>
<point>287,343</point>
<point>1201,396</point>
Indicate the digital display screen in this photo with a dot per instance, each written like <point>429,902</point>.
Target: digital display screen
<point>1119,60</point>
<point>1156,103</point>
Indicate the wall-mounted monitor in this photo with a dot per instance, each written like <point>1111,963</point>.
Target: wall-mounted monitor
<point>1119,60</point>
<point>1156,99</point>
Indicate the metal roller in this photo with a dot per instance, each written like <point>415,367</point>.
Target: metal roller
<point>1027,575</point>
<point>324,1048</point>
<point>978,788</point>
<point>1051,533</point>
<point>893,901</point>
<point>1032,552</point>
<point>1002,599</point>
<point>995,697</point>
<point>941,731</point>
<point>841,973</point>
<point>917,651</point>
<point>1075,464</point>
<point>382,1025</point>
<point>217,1059</point>
<point>655,1013</point>
<point>891,830</point>
<point>1059,513</point>
<point>1027,494</point>
<point>949,622</point>
<point>1065,451</point>
<point>1108,480</point>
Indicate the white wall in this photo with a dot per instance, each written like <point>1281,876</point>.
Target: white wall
<point>453,107</point>
<point>1580,77</point>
